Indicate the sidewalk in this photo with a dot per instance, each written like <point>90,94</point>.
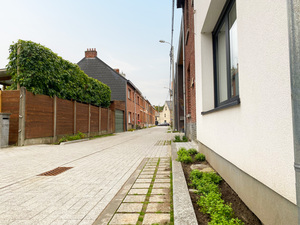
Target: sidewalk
<point>99,168</point>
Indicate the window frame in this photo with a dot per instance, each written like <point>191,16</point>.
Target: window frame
<point>223,19</point>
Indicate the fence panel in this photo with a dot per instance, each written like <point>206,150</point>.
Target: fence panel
<point>94,119</point>
<point>104,118</point>
<point>64,117</point>
<point>39,116</point>
<point>10,104</point>
<point>82,117</point>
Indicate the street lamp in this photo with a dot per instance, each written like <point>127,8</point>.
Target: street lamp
<point>172,70</point>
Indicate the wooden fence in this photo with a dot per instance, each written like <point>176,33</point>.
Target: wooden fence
<point>41,119</point>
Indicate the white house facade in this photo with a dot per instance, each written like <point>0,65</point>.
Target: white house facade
<point>165,114</point>
<point>243,94</point>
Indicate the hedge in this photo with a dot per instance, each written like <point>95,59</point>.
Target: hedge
<point>42,71</point>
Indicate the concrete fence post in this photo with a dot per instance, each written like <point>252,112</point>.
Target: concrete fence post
<point>54,118</point>
<point>99,116</point>
<point>22,108</point>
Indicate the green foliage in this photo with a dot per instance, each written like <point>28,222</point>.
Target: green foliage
<point>178,139</point>
<point>77,136</point>
<point>184,156</point>
<point>43,72</point>
<point>192,151</point>
<point>200,157</point>
<point>210,200</point>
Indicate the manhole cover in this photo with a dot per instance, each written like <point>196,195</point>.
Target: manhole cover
<point>55,171</point>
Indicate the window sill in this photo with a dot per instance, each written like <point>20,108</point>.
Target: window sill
<point>227,105</point>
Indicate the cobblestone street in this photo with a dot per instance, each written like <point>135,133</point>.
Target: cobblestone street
<point>99,168</point>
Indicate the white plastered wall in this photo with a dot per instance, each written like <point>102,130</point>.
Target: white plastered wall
<point>256,136</point>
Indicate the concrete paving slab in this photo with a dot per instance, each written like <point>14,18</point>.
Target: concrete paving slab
<point>159,180</point>
<point>146,176</point>
<point>158,207</point>
<point>130,207</point>
<point>134,191</point>
<point>161,185</point>
<point>154,218</point>
<point>128,218</point>
<point>139,180</point>
<point>135,198</point>
<point>141,185</point>
<point>158,176</point>
<point>160,191</point>
<point>159,198</point>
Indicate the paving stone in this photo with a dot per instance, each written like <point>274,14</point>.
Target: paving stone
<point>130,207</point>
<point>161,185</point>
<point>138,191</point>
<point>135,198</point>
<point>158,207</point>
<point>158,180</point>
<point>155,218</point>
<point>147,173</point>
<point>141,185</point>
<point>146,176</point>
<point>128,218</point>
<point>159,198</point>
<point>162,176</point>
<point>163,172</point>
<point>160,191</point>
<point>143,180</point>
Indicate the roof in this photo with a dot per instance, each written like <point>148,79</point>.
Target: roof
<point>169,104</point>
<point>96,68</point>
<point>134,87</point>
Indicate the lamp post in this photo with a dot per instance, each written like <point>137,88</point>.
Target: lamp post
<point>172,71</point>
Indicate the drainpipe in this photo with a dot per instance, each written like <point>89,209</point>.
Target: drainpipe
<point>183,71</point>
<point>294,36</point>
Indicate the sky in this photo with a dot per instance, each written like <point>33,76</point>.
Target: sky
<point>125,34</point>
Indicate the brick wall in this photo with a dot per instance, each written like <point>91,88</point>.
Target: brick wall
<point>190,106</point>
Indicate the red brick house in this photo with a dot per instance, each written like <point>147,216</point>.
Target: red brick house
<point>185,91</point>
<point>138,111</point>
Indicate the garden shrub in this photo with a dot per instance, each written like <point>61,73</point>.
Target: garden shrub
<point>41,71</point>
<point>200,157</point>
<point>178,139</point>
<point>184,156</point>
<point>192,151</point>
<point>210,200</point>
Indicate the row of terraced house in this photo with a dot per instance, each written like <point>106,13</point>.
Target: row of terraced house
<point>234,76</point>
<point>138,111</point>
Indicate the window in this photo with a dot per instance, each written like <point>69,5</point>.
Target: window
<point>138,100</point>
<point>129,93</point>
<point>226,57</point>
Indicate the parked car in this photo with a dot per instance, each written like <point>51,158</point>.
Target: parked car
<point>163,124</point>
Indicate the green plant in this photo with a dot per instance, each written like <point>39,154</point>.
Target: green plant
<point>192,151</point>
<point>184,156</point>
<point>177,138</point>
<point>210,200</point>
<point>77,136</point>
<point>200,157</point>
<point>41,71</point>
<point>185,139</point>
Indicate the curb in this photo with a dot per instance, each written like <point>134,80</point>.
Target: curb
<point>75,141</point>
<point>184,213</point>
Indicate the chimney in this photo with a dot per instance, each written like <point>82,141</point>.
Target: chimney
<point>117,70</point>
<point>91,53</point>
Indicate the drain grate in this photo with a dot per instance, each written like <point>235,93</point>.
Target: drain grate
<point>163,142</point>
<point>55,171</point>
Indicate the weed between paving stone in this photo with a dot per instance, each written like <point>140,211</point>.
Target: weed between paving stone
<point>142,213</point>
